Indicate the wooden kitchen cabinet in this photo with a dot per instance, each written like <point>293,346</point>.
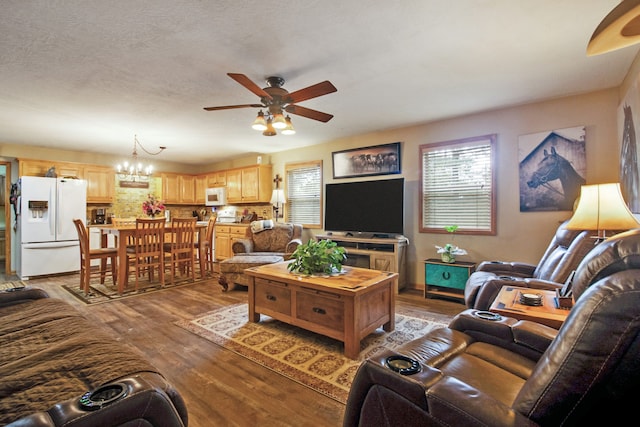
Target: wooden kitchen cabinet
<point>249,184</point>
<point>201,186</point>
<point>32,167</point>
<point>217,179</point>
<point>178,188</point>
<point>225,235</point>
<point>101,181</point>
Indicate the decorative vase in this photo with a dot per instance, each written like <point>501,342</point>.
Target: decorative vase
<point>447,257</point>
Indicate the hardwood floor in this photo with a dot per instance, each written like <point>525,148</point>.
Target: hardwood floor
<point>219,387</point>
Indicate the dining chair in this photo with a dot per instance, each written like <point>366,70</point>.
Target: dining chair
<point>147,249</point>
<point>87,255</point>
<point>181,247</point>
<point>207,249</point>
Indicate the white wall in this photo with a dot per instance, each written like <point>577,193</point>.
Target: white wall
<point>521,236</point>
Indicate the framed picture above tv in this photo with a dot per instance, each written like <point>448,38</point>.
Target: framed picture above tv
<point>367,161</point>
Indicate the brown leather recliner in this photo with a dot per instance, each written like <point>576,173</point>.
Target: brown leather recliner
<point>479,372</point>
<point>564,253</point>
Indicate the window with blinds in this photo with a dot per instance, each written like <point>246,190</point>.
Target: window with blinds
<point>458,186</point>
<point>304,193</point>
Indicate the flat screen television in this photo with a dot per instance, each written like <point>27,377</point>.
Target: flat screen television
<point>366,207</point>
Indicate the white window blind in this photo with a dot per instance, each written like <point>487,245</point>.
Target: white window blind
<point>457,185</point>
<point>304,194</point>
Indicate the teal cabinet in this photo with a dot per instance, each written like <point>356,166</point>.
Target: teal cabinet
<point>446,279</point>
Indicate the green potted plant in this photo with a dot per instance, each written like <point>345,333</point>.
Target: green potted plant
<point>317,257</point>
<point>449,251</point>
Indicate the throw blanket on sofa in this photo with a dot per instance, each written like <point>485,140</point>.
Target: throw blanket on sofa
<point>258,226</point>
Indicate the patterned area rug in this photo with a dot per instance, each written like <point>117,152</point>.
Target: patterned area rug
<point>310,359</point>
<point>99,293</point>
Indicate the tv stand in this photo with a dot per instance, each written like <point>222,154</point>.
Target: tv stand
<point>376,253</point>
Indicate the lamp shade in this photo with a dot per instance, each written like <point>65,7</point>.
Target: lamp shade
<point>601,207</point>
<point>277,197</point>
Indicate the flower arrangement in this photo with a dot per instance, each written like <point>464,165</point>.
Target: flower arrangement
<point>449,252</point>
<point>152,206</point>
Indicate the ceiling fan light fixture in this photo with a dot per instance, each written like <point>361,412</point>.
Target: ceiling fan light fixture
<point>269,131</point>
<point>278,121</point>
<point>288,130</point>
<point>260,123</point>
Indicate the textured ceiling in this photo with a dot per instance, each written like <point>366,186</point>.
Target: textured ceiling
<point>86,74</point>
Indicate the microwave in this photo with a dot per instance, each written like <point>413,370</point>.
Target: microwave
<point>215,196</point>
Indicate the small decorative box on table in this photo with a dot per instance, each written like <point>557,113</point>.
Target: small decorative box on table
<point>446,279</point>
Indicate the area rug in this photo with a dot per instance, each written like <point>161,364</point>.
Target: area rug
<point>105,292</point>
<point>310,359</point>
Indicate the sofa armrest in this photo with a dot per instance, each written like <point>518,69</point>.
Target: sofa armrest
<point>517,269</point>
<point>529,339</point>
<point>542,284</point>
<point>381,396</point>
<point>293,245</point>
<point>242,246</point>
<point>21,295</point>
<point>149,400</point>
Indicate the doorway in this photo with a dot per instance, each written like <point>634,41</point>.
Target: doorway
<point>5,219</point>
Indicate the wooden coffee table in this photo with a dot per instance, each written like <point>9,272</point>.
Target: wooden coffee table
<point>508,303</point>
<point>347,307</point>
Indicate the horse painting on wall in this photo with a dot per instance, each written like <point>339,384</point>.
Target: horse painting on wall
<point>628,121</point>
<point>552,169</point>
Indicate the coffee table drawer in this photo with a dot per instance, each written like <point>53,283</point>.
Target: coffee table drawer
<point>274,296</point>
<point>326,311</point>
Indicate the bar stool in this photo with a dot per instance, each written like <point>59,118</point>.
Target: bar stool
<point>206,264</point>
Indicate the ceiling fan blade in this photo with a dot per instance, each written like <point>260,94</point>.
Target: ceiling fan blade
<point>314,91</point>
<point>246,82</point>
<point>308,113</point>
<point>231,107</point>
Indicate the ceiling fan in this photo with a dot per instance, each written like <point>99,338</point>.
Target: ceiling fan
<point>275,99</point>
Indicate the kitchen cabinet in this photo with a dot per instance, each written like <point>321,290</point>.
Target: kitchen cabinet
<point>100,179</point>
<point>100,183</point>
<point>217,179</point>
<point>178,188</point>
<point>249,185</point>
<point>201,186</point>
<point>225,236</point>
<point>32,167</point>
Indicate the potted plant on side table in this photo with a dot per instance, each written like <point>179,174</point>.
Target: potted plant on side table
<point>449,251</point>
<point>322,257</point>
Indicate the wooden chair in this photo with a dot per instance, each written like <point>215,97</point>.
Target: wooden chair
<point>181,248</point>
<point>87,255</point>
<point>206,264</point>
<point>147,250</point>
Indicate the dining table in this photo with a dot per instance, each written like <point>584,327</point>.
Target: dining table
<point>123,232</point>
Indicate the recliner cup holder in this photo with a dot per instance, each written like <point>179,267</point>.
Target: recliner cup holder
<point>403,365</point>
<point>103,396</point>
<point>487,315</point>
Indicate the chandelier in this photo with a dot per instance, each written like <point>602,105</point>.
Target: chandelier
<point>272,121</point>
<point>135,170</point>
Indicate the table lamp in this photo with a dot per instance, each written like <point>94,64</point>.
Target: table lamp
<point>601,207</point>
<point>277,199</point>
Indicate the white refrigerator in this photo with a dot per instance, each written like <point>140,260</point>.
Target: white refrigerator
<point>46,234</point>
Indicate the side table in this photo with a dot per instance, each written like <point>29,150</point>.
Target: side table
<point>446,279</point>
<point>508,303</point>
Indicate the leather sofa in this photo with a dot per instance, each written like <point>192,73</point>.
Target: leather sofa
<point>505,372</point>
<point>565,251</point>
<point>57,368</point>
